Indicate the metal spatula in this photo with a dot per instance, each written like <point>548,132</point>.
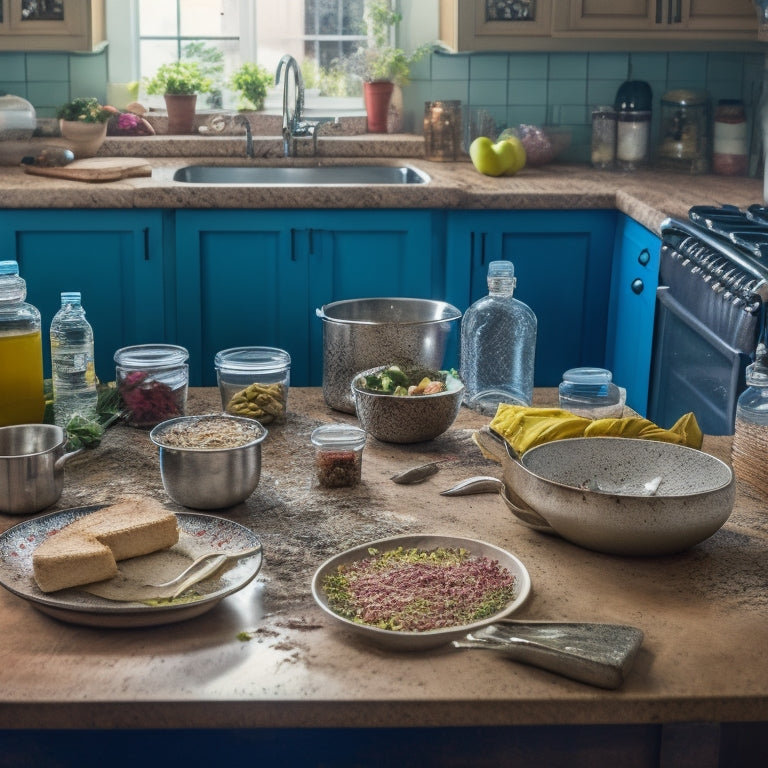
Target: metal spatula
<point>597,654</point>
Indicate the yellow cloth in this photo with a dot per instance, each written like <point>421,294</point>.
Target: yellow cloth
<point>524,427</point>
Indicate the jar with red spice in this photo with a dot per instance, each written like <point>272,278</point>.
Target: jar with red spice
<point>730,156</point>
<point>152,381</point>
<point>338,455</point>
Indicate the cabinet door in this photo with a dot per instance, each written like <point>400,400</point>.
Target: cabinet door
<point>637,15</point>
<point>633,303</point>
<point>115,260</point>
<point>73,25</point>
<point>257,277</point>
<point>563,266</point>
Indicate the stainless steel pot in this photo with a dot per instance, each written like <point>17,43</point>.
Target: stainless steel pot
<point>32,458</point>
<point>359,334</point>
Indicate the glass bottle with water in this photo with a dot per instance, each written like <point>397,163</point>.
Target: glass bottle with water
<point>72,366</point>
<point>498,345</point>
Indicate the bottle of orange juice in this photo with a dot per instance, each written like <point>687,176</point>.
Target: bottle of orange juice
<point>21,352</point>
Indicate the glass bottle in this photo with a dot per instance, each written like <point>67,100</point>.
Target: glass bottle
<point>72,366</point>
<point>21,352</point>
<point>498,345</point>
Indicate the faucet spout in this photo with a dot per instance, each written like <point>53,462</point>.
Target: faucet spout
<point>291,120</point>
<point>248,134</point>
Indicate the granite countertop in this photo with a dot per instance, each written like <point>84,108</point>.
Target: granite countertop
<point>647,196</point>
<point>703,612</point>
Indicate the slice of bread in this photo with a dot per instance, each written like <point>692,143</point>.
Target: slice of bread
<point>89,548</point>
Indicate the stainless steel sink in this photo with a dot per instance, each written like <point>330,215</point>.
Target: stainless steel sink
<point>323,174</point>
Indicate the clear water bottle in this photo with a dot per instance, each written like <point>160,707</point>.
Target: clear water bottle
<point>72,366</point>
<point>21,352</point>
<point>498,345</point>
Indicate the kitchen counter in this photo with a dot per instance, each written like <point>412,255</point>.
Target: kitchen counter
<point>646,196</point>
<point>704,614</point>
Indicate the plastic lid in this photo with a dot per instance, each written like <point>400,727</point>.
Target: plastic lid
<point>252,359</point>
<point>153,356</point>
<point>501,269</point>
<point>338,436</point>
<point>684,97</point>
<point>9,268</point>
<point>70,297</point>
<point>589,385</point>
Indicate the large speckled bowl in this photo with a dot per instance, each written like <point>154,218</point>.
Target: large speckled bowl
<point>411,419</point>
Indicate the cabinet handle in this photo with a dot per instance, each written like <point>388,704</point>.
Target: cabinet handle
<point>659,11</point>
<point>644,257</point>
<point>637,286</point>
<point>146,243</point>
<point>482,248</point>
<point>678,12</point>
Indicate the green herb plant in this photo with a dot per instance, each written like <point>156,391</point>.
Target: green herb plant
<point>84,110</point>
<point>251,81</point>
<point>179,78</point>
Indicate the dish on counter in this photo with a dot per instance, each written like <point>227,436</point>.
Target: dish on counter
<point>77,606</point>
<point>430,638</point>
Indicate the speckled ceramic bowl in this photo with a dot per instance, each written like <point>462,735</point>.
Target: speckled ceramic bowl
<point>411,419</point>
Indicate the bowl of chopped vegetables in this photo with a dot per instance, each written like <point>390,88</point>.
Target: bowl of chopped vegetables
<point>420,591</point>
<point>406,405</point>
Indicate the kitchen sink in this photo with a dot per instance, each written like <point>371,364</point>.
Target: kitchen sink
<point>311,176</point>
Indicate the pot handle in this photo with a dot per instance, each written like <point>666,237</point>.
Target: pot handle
<point>525,514</point>
<point>492,442</point>
<point>62,460</point>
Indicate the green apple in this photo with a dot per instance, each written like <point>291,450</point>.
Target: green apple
<point>492,159</point>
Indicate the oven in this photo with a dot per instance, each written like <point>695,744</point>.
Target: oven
<point>710,308</point>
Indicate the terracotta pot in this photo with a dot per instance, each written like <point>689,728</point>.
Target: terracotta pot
<point>377,97</point>
<point>181,112</point>
<point>84,139</point>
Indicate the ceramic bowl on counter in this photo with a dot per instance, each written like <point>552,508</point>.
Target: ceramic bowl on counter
<point>211,461</point>
<point>406,418</point>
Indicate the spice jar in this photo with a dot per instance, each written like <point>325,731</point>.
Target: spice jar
<point>442,130</point>
<point>730,156</point>
<point>604,138</point>
<point>152,381</point>
<point>684,142</point>
<point>338,455</point>
<point>254,382</point>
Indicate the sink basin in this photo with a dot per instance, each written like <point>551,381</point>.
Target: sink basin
<point>324,174</point>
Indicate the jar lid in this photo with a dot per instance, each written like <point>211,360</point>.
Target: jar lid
<point>252,359</point>
<point>684,97</point>
<point>589,384</point>
<point>151,356</point>
<point>634,95</point>
<point>338,436</point>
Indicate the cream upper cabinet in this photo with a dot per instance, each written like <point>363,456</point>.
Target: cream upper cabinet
<point>480,25</point>
<point>51,25</point>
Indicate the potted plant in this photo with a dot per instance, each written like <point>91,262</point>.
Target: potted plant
<point>179,83</point>
<point>83,123</point>
<point>251,82</point>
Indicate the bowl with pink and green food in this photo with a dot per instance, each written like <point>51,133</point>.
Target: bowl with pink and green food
<point>420,591</point>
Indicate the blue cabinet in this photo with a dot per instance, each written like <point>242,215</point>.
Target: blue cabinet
<point>632,309</point>
<point>257,277</point>
<point>113,257</point>
<point>563,266</point>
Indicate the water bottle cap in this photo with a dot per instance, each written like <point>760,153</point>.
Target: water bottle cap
<point>9,268</point>
<point>501,269</point>
<point>70,297</point>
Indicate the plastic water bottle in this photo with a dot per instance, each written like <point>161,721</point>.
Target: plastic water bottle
<point>72,366</point>
<point>498,345</point>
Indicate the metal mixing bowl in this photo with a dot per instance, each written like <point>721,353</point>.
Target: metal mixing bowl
<point>363,333</point>
<point>209,477</point>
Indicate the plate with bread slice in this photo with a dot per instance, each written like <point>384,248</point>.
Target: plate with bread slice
<point>101,565</point>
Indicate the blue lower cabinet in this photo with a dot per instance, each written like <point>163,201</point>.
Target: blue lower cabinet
<point>114,258</point>
<point>257,277</point>
<point>563,262</point>
<point>632,309</point>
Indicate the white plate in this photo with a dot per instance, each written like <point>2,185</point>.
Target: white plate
<point>409,641</point>
<point>18,544</point>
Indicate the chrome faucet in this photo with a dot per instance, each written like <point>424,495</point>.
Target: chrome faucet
<point>248,134</point>
<point>294,126</point>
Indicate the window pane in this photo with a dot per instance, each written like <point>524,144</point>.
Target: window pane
<point>157,18</point>
<point>209,18</point>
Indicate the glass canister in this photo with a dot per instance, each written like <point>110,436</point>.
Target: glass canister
<point>684,144</point>
<point>254,382</point>
<point>442,130</point>
<point>633,133</point>
<point>604,138</point>
<point>338,455</point>
<point>730,153</point>
<point>152,381</point>
<point>591,392</point>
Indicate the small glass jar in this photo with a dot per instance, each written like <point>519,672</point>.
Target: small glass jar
<point>749,450</point>
<point>152,381</point>
<point>684,144</point>
<point>254,382</point>
<point>730,154</point>
<point>604,138</point>
<point>338,455</point>
<point>633,133</point>
<point>591,392</point>
<point>442,130</point>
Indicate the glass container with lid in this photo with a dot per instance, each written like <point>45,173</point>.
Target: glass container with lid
<point>684,143</point>
<point>633,130</point>
<point>152,381</point>
<point>730,153</point>
<point>338,455</point>
<point>591,392</point>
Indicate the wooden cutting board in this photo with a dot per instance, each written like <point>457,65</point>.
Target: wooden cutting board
<point>95,169</point>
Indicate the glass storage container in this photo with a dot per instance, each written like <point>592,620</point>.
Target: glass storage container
<point>604,138</point>
<point>152,381</point>
<point>338,455</point>
<point>684,144</point>
<point>254,382</point>
<point>591,392</point>
<point>730,153</point>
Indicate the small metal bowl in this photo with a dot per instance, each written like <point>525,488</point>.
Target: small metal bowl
<point>209,476</point>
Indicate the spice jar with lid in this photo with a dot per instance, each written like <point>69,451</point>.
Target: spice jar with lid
<point>684,144</point>
<point>152,381</point>
<point>254,382</point>
<point>603,138</point>
<point>730,155</point>
<point>338,455</point>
